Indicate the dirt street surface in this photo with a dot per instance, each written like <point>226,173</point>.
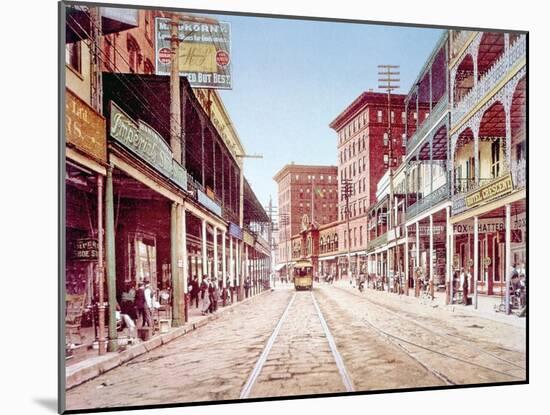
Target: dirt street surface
<point>280,345</point>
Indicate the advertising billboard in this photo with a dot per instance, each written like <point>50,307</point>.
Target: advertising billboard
<point>204,52</point>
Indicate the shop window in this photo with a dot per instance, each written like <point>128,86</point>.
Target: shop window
<point>142,259</point>
<point>73,56</point>
<point>134,53</point>
<point>495,158</point>
<point>148,67</point>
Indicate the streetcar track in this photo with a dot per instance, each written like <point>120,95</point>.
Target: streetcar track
<point>254,375</point>
<point>393,339</point>
<point>465,342</point>
<point>245,392</point>
<point>337,357</point>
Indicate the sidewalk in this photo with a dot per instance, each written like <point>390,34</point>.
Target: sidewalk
<point>94,365</point>
<point>486,304</point>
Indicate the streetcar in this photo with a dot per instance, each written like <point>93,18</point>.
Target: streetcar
<point>303,275</point>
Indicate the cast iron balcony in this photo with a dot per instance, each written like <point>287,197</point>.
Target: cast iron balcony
<point>490,79</point>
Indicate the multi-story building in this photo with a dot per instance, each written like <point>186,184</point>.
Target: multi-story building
<point>488,158</point>
<point>363,157</point>
<point>307,197</point>
<point>464,176</point>
<point>138,206</point>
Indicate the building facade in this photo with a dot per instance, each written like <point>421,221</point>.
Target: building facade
<point>363,157</point>
<point>307,197</point>
<point>460,195</point>
<point>144,204</point>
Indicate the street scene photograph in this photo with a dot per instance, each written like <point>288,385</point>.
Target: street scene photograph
<point>263,207</point>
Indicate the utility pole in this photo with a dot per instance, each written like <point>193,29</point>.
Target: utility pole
<point>389,83</point>
<point>347,192</point>
<point>270,211</point>
<point>284,222</point>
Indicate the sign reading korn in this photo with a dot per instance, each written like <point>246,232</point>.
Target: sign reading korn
<point>204,52</point>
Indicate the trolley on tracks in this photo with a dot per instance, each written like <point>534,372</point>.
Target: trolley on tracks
<point>303,275</point>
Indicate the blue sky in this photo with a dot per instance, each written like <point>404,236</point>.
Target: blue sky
<point>291,78</point>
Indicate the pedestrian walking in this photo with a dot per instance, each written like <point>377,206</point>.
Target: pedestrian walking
<point>464,286</point>
<point>195,291</point>
<point>246,287</point>
<point>206,303</point>
<point>144,304</point>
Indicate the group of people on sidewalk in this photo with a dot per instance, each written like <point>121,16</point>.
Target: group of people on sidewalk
<point>207,294</point>
<point>139,304</point>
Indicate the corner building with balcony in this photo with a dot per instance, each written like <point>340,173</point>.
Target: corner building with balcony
<point>488,140</point>
<point>363,158</point>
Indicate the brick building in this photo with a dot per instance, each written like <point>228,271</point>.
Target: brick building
<point>307,197</point>
<point>363,146</point>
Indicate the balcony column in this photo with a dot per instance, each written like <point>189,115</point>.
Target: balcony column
<point>203,251</point>
<point>406,260</point>
<point>431,163</point>
<point>231,273</point>
<point>238,267</point>
<point>431,256</point>
<point>224,260</point>
<point>476,157</point>
<point>185,264</point>
<point>215,240</point>
<point>474,59</point>
<point>508,138</point>
<point>175,262</point>
<point>508,257</point>
<point>449,256</point>
<point>110,260</point>
<point>476,257</point>
<point>417,265</point>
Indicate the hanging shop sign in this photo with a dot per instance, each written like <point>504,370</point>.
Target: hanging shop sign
<point>147,144</point>
<point>248,238</point>
<point>235,231</point>
<point>493,190</point>
<point>84,127</point>
<point>208,203</point>
<point>204,52</point>
<point>84,249</point>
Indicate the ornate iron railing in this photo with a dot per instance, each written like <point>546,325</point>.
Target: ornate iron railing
<point>490,79</point>
<point>432,199</point>
<point>428,123</point>
<point>379,241</point>
<point>519,173</point>
<point>459,41</point>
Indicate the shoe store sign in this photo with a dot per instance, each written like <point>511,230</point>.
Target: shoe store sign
<point>147,144</point>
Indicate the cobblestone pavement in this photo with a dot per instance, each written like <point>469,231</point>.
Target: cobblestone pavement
<point>211,363</point>
<point>300,361</point>
<point>457,348</point>
<point>215,361</point>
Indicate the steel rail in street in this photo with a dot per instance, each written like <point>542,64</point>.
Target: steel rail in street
<point>245,392</point>
<point>465,342</point>
<point>395,339</point>
<point>337,357</point>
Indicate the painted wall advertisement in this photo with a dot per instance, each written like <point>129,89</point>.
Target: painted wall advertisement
<point>204,52</point>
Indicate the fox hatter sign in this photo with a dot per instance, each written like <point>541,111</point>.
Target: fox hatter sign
<point>204,52</point>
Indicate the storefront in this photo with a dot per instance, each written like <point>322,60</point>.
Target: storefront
<point>85,168</point>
